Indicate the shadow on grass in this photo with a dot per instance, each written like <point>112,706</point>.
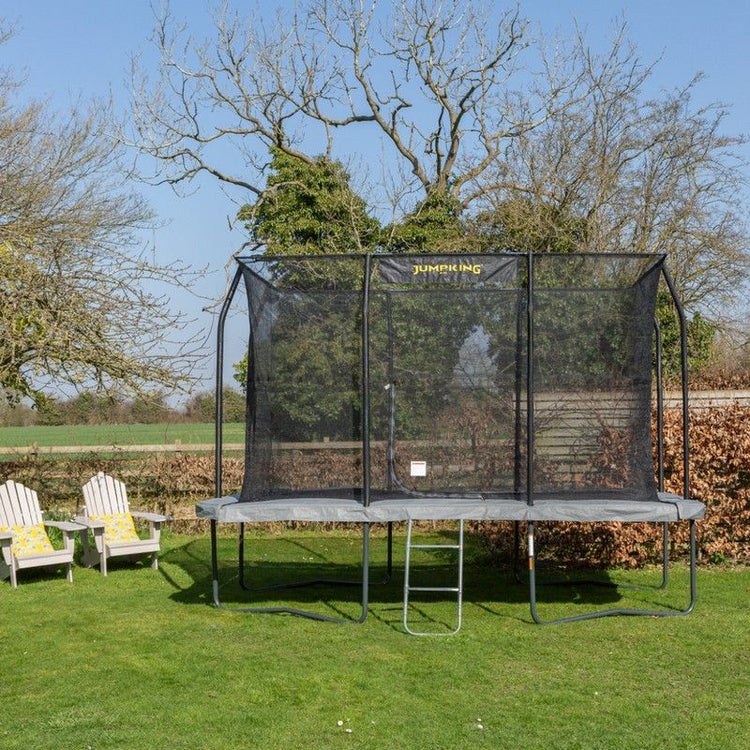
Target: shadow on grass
<point>273,561</point>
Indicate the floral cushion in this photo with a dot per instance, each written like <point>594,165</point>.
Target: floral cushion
<point>118,527</point>
<point>29,540</point>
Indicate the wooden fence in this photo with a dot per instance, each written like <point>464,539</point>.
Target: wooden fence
<point>699,400</point>
<point>177,447</point>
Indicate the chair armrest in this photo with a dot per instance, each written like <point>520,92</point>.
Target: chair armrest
<point>6,545</point>
<point>88,523</point>
<point>64,525</point>
<point>152,517</point>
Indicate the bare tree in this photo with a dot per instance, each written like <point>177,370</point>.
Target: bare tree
<point>435,79</point>
<point>471,108</point>
<point>628,173</point>
<point>77,305</point>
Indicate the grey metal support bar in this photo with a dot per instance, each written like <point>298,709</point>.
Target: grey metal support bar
<point>531,553</point>
<point>214,566</point>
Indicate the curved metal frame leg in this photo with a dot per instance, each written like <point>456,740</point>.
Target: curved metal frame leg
<point>590,582</point>
<point>313,581</point>
<point>292,610</point>
<point>609,612</point>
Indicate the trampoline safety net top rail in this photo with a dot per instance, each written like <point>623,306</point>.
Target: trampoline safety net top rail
<point>511,386</point>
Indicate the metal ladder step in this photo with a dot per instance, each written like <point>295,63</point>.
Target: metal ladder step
<point>458,590</point>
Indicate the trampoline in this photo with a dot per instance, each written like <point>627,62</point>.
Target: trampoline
<point>503,386</point>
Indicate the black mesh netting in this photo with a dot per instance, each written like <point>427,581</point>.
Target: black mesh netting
<point>447,402</point>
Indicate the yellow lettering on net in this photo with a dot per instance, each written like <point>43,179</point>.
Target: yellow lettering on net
<point>444,268</point>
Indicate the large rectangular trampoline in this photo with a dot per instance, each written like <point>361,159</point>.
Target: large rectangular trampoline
<point>509,386</point>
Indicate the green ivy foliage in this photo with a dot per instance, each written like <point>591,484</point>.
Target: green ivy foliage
<point>309,208</point>
<point>701,337</point>
<point>434,226</point>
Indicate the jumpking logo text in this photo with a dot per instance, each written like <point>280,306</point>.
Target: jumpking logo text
<point>443,268</point>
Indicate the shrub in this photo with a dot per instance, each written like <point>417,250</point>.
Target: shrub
<point>719,477</point>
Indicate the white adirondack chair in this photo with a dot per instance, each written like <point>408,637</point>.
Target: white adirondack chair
<point>23,537</point>
<point>108,516</point>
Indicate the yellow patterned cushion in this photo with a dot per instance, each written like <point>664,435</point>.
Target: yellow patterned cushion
<point>29,540</point>
<point>118,527</point>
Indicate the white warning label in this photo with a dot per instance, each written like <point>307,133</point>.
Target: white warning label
<point>419,468</point>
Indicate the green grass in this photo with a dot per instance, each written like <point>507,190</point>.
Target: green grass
<point>120,434</point>
<point>140,660</point>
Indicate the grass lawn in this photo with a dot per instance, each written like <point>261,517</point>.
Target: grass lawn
<point>119,434</point>
<point>140,660</point>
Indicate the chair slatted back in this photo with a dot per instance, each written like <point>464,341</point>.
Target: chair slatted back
<point>19,505</point>
<point>104,495</point>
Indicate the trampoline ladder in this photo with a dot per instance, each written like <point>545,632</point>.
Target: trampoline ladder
<point>457,590</point>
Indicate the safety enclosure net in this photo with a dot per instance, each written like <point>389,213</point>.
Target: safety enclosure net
<point>495,375</point>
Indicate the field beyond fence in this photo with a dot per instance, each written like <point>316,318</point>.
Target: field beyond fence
<point>155,438</point>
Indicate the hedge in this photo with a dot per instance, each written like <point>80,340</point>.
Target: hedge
<point>719,476</point>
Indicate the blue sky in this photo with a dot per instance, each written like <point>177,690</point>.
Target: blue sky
<point>77,49</point>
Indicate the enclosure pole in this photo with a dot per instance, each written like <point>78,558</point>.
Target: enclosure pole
<point>530,379</point>
<point>391,396</point>
<point>220,377</point>
<point>659,406</point>
<point>517,457</point>
<point>366,436</point>
<point>660,449</point>
<point>684,375</point>
<point>366,385</point>
<point>391,458</point>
